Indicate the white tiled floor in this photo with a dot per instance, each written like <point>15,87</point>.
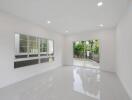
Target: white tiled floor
<point>68,83</point>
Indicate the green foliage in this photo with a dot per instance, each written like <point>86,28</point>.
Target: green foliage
<point>78,48</point>
<point>82,47</point>
<point>95,47</point>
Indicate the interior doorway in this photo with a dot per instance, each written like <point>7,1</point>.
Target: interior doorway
<point>86,53</point>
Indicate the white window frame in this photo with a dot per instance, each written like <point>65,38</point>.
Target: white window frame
<point>17,49</point>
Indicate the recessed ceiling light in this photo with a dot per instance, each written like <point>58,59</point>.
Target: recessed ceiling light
<point>101,25</point>
<point>66,31</point>
<point>99,4</point>
<point>48,22</point>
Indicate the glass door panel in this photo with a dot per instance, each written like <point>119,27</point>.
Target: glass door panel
<point>86,53</point>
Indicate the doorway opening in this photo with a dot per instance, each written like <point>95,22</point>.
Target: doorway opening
<point>86,53</point>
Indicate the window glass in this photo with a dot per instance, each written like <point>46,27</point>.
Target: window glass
<point>30,50</point>
<point>50,47</point>
<point>23,43</point>
<point>43,45</point>
<point>33,44</point>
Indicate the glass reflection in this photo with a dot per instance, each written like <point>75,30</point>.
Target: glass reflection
<point>87,84</point>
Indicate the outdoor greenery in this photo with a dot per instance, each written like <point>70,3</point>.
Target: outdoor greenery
<point>80,49</point>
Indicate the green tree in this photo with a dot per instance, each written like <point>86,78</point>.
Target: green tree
<point>80,48</point>
<point>96,47</point>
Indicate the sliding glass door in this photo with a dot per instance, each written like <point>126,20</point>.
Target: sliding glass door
<point>86,53</point>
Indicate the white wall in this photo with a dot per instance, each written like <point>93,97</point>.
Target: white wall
<point>107,47</point>
<point>10,24</point>
<point>124,50</point>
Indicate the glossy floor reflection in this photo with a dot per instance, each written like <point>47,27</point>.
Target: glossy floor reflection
<point>68,83</point>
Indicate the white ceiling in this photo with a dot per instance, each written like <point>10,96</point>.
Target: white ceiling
<point>72,15</point>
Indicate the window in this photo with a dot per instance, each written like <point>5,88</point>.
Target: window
<point>50,47</point>
<point>23,44</point>
<point>43,45</point>
<point>51,50</point>
<point>30,50</point>
<point>33,45</point>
